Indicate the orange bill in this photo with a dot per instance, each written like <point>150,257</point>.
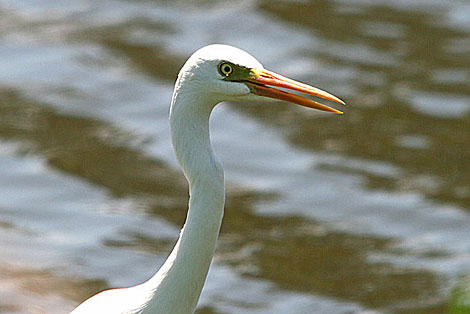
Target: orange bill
<point>260,83</point>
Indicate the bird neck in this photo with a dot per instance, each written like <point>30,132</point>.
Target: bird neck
<point>180,280</point>
<point>189,122</point>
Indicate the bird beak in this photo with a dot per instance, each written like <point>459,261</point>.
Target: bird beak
<point>260,82</point>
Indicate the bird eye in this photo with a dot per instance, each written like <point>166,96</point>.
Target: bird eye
<point>225,69</point>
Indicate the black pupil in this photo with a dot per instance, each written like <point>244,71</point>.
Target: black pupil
<point>227,69</point>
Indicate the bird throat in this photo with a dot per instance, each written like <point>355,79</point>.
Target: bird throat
<point>189,262</point>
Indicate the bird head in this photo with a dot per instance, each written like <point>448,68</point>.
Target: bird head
<point>222,72</point>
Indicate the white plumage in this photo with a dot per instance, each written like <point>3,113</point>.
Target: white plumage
<point>211,75</point>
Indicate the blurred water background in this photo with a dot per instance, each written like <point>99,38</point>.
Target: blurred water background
<point>363,213</point>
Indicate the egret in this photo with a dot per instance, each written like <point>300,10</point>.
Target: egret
<point>213,74</point>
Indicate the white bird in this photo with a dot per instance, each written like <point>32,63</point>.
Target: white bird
<point>211,75</point>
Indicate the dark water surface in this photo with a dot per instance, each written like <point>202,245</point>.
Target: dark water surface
<point>363,213</point>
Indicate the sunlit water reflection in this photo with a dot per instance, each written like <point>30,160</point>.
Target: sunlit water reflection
<point>365,213</point>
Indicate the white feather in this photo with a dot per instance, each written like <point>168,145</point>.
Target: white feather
<point>176,287</point>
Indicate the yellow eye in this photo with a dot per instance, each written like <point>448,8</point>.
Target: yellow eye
<point>225,69</point>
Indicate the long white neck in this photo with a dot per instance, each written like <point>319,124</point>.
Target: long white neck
<point>178,284</point>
